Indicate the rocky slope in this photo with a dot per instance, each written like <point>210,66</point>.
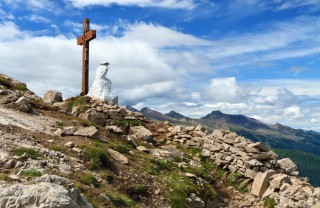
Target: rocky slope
<point>84,153</point>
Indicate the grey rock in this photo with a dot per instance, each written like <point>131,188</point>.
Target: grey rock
<point>4,156</point>
<point>260,146</point>
<point>252,149</point>
<point>117,156</point>
<point>23,105</point>
<point>142,149</point>
<point>48,195</point>
<point>199,128</point>
<point>69,144</point>
<point>278,179</point>
<point>114,129</point>
<point>69,130</point>
<point>250,173</point>
<point>91,131</point>
<point>77,150</point>
<point>261,182</point>
<point>287,164</point>
<point>195,202</point>
<point>205,153</point>
<point>95,117</point>
<point>104,199</point>
<point>142,133</point>
<point>254,162</point>
<point>52,97</point>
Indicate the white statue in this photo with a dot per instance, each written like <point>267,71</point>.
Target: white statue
<point>101,87</point>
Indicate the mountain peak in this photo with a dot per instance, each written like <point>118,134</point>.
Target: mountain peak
<point>216,114</point>
<point>176,115</point>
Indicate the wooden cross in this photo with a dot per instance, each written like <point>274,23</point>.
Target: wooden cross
<point>83,40</point>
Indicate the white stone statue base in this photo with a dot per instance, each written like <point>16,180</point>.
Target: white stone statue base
<point>101,87</point>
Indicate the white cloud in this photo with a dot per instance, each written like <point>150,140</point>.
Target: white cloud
<point>34,5</point>
<point>161,36</point>
<point>10,31</point>
<point>284,5</point>
<point>227,90</point>
<point>169,4</point>
<point>37,18</point>
<point>156,67</point>
<point>292,112</point>
<point>138,70</point>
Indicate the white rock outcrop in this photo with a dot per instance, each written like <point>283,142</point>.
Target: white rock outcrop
<point>101,87</point>
<point>48,194</point>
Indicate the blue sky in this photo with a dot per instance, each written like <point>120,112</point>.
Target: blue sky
<point>259,58</point>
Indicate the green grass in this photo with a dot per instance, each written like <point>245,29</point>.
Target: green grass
<point>269,202</point>
<point>120,200</point>
<point>31,173</point>
<point>4,177</point>
<point>97,154</point>
<point>8,83</point>
<point>121,123</point>
<point>21,87</point>
<point>122,148</point>
<point>89,179</point>
<point>137,189</point>
<point>189,151</point>
<point>78,101</point>
<point>234,180</point>
<point>33,154</point>
<point>180,188</point>
<point>56,148</point>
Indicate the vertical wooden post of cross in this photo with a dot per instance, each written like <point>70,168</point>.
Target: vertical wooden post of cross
<point>83,40</point>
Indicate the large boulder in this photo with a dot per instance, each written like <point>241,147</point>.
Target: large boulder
<point>52,97</point>
<point>117,156</point>
<point>142,133</point>
<point>287,164</point>
<point>90,131</point>
<point>46,193</point>
<point>95,117</point>
<point>261,182</point>
<point>23,105</point>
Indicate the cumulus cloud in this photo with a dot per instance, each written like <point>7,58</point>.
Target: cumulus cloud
<point>169,4</point>
<point>138,69</point>
<point>228,90</point>
<point>10,31</point>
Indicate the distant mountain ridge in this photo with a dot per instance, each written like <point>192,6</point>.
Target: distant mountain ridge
<point>286,141</point>
<point>276,135</point>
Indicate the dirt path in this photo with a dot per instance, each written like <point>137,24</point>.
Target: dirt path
<point>33,122</point>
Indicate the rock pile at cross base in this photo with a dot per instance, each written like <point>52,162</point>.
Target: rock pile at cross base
<point>85,153</point>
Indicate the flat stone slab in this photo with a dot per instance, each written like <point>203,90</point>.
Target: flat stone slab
<point>90,131</point>
<point>118,157</point>
<point>261,182</point>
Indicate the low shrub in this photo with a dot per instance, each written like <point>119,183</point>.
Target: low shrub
<point>97,154</point>
<point>269,202</point>
<point>137,189</point>
<point>78,101</point>
<point>30,152</point>
<point>120,200</point>
<point>31,173</point>
<point>55,148</point>
<point>122,148</point>
<point>4,177</point>
<point>180,188</point>
<point>89,179</point>
<point>21,87</point>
